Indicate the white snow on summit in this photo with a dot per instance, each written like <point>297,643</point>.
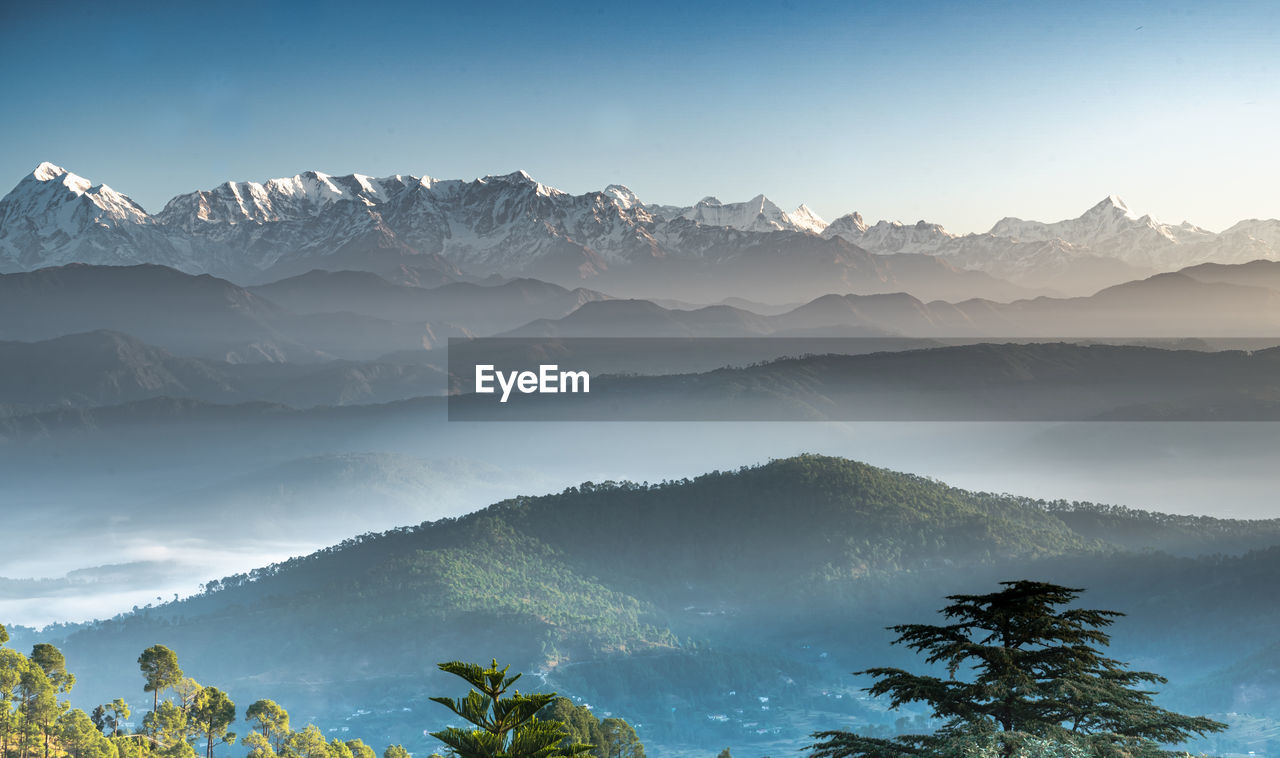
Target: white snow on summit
<point>513,224</point>
<point>805,219</point>
<point>54,216</point>
<point>759,214</point>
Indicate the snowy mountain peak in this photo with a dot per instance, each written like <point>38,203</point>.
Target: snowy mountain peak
<point>759,214</point>
<point>806,219</point>
<point>890,236</point>
<point>54,216</point>
<point>511,223</point>
<point>47,172</point>
<point>849,223</point>
<point>1111,229</point>
<point>522,178</point>
<point>515,177</point>
<point>622,196</point>
<point>51,187</point>
<point>1109,205</point>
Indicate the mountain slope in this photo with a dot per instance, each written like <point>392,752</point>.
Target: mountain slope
<point>732,579</point>
<point>200,316</point>
<point>1206,301</point>
<point>55,217</point>
<point>104,368</point>
<point>1049,381</point>
<point>482,309</point>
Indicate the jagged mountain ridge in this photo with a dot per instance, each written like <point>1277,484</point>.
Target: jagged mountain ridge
<point>421,229</point>
<point>1107,244</point>
<point>515,226</point>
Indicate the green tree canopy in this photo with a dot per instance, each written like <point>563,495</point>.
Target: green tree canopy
<point>580,723</point>
<point>212,713</point>
<point>505,727</point>
<point>54,664</point>
<point>259,746</point>
<point>308,743</point>
<point>167,725</point>
<point>619,740</point>
<point>273,721</point>
<point>395,751</point>
<point>1021,666</point>
<point>360,750</point>
<point>339,749</point>
<point>109,716</point>
<point>610,738</point>
<point>160,668</point>
<point>81,738</point>
<point>38,696</point>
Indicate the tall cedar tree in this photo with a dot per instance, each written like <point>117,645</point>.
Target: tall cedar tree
<point>505,727</point>
<point>1020,667</point>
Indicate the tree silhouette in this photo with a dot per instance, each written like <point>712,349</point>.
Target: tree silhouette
<point>1020,668</point>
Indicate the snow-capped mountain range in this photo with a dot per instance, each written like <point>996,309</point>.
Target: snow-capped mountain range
<point>513,225</point>
<point>1106,244</point>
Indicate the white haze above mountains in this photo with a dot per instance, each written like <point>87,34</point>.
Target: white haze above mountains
<point>433,230</point>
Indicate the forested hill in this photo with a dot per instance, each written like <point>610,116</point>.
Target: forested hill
<point>611,571</point>
<point>776,528</point>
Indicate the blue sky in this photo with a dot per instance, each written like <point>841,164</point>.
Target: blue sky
<point>958,113</point>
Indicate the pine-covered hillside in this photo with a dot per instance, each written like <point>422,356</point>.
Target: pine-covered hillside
<point>697,587</point>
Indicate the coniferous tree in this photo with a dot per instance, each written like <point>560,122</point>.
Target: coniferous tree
<point>47,709</point>
<point>1019,667</point>
<point>160,668</point>
<point>12,666</point>
<point>581,725</point>
<point>109,716</point>
<point>54,664</point>
<point>339,749</point>
<point>360,750</point>
<point>619,740</point>
<point>259,746</point>
<point>168,727</point>
<point>272,720</point>
<point>308,743</point>
<point>81,738</point>
<point>212,713</point>
<point>39,708</point>
<point>187,690</point>
<point>505,727</point>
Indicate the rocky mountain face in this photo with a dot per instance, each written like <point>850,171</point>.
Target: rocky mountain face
<point>423,230</point>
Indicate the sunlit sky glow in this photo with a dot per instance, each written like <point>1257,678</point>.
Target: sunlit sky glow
<point>960,113</point>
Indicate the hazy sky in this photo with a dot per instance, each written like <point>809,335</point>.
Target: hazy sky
<point>956,112</point>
